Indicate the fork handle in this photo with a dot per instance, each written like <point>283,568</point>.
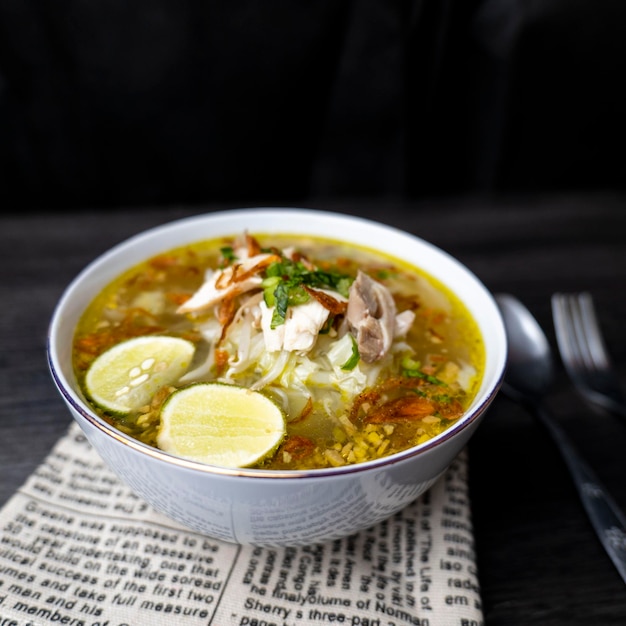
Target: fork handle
<point>605,515</point>
<point>605,402</point>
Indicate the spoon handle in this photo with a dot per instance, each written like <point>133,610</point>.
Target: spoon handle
<point>606,517</point>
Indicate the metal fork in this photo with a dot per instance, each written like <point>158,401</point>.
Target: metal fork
<point>584,353</point>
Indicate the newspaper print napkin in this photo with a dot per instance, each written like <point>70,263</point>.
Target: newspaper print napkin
<point>78,547</point>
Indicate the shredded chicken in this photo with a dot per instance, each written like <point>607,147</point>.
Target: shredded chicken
<point>370,310</point>
<point>229,282</point>
<point>301,327</point>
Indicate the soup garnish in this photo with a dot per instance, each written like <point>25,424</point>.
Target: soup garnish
<point>240,427</point>
<point>126,376</point>
<point>363,354</point>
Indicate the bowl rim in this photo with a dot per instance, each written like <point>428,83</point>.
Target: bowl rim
<point>73,397</point>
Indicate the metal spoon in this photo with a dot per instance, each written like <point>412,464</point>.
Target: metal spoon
<point>528,378</point>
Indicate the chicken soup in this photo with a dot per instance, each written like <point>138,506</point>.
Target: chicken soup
<point>305,352</point>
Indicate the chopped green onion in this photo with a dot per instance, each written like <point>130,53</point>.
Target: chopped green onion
<point>410,364</point>
<point>351,363</point>
<point>228,254</point>
<point>325,329</point>
<point>411,369</point>
<point>269,285</point>
<point>280,305</point>
<point>284,282</point>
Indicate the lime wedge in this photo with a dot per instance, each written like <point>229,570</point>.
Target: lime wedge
<point>126,376</point>
<point>220,424</point>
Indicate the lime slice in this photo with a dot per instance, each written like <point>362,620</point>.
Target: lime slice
<point>126,376</point>
<point>220,424</point>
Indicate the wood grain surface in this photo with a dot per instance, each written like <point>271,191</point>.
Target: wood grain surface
<point>539,560</point>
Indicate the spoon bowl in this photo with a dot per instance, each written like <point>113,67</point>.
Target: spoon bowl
<point>529,363</point>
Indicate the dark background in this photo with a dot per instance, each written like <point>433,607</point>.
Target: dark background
<point>154,102</point>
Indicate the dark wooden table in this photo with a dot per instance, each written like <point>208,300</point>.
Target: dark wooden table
<point>538,558</point>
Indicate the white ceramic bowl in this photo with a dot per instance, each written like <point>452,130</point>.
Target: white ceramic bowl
<point>288,507</point>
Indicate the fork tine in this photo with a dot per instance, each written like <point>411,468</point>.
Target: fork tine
<point>583,351</point>
<point>567,334</point>
<point>577,314</point>
<point>597,349</point>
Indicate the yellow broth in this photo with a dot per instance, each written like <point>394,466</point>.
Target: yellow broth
<point>332,426</point>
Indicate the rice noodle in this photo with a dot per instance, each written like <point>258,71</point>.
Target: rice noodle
<point>280,395</point>
<point>275,371</point>
<point>242,358</point>
<point>202,372</point>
